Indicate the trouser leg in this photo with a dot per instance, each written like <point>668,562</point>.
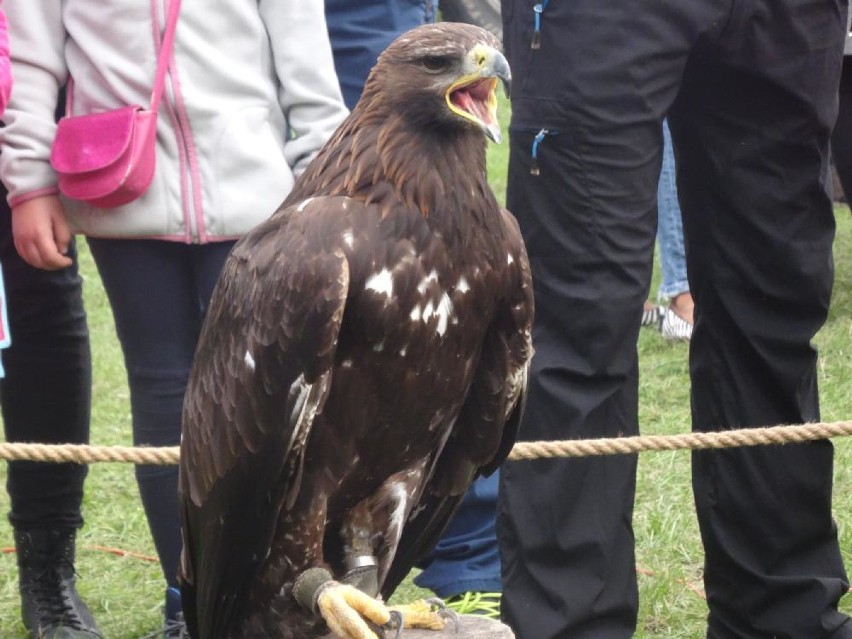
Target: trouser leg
<point>565,526</point>
<point>751,129</point>
<point>589,220</point>
<point>46,394</point>
<point>466,558</point>
<point>158,292</point>
<point>673,279</point>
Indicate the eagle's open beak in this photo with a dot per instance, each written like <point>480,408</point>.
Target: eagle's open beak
<point>474,95</point>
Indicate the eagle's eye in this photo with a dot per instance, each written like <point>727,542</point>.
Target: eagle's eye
<point>435,63</point>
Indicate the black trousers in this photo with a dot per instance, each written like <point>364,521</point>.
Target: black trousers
<point>750,88</point>
<point>46,394</point>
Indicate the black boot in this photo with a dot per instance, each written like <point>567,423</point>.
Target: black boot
<point>50,605</point>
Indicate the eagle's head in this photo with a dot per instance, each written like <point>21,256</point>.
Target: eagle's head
<point>443,74</point>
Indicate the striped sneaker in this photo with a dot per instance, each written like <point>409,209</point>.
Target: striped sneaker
<point>674,327</point>
<point>651,314</point>
<point>484,604</point>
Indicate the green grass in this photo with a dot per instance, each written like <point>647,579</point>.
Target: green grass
<point>126,595</point>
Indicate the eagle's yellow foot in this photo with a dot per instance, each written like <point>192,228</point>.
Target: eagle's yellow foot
<point>344,609</point>
<point>431,614</point>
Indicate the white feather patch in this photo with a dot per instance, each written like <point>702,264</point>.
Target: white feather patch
<point>397,515</point>
<point>381,282</point>
<point>303,204</point>
<point>424,283</point>
<point>443,311</point>
<point>306,403</point>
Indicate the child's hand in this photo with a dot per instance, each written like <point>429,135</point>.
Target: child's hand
<point>41,233</point>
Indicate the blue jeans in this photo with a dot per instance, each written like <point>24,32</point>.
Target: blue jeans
<point>467,557</point>
<point>670,226</point>
<point>159,293</point>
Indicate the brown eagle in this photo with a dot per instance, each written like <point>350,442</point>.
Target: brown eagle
<point>363,359</point>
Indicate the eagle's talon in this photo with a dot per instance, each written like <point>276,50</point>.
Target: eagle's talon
<point>420,614</point>
<point>450,615</point>
<point>445,613</point>
<point>397,622</point>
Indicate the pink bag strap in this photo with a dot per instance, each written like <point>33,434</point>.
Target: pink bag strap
<point>162,61</point>
<point>165,53</point>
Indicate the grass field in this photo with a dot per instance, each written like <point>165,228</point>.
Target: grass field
<point>125,591</point>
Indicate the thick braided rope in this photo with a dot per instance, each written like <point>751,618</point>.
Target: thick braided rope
<point>693,441</point>
<point>83,454</point>
<point>798,433</point>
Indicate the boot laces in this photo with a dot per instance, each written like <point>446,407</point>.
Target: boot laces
<point>55,607</point>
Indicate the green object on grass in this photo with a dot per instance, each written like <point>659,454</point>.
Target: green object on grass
<point>485,604</point>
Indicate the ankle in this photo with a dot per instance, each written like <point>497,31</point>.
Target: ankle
<point>683,305</point>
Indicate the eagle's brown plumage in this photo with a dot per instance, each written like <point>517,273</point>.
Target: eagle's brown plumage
<point>364,355</point>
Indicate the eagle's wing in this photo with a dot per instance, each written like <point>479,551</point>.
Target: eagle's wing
<point>261,373</point>
<point>487,425</point>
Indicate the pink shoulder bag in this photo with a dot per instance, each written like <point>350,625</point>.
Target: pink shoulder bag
<point>108,158</point>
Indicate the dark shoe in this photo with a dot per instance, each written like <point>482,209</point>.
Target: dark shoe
<point>175,626</point>
<point>50,605</point>
<point>484,604</point>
